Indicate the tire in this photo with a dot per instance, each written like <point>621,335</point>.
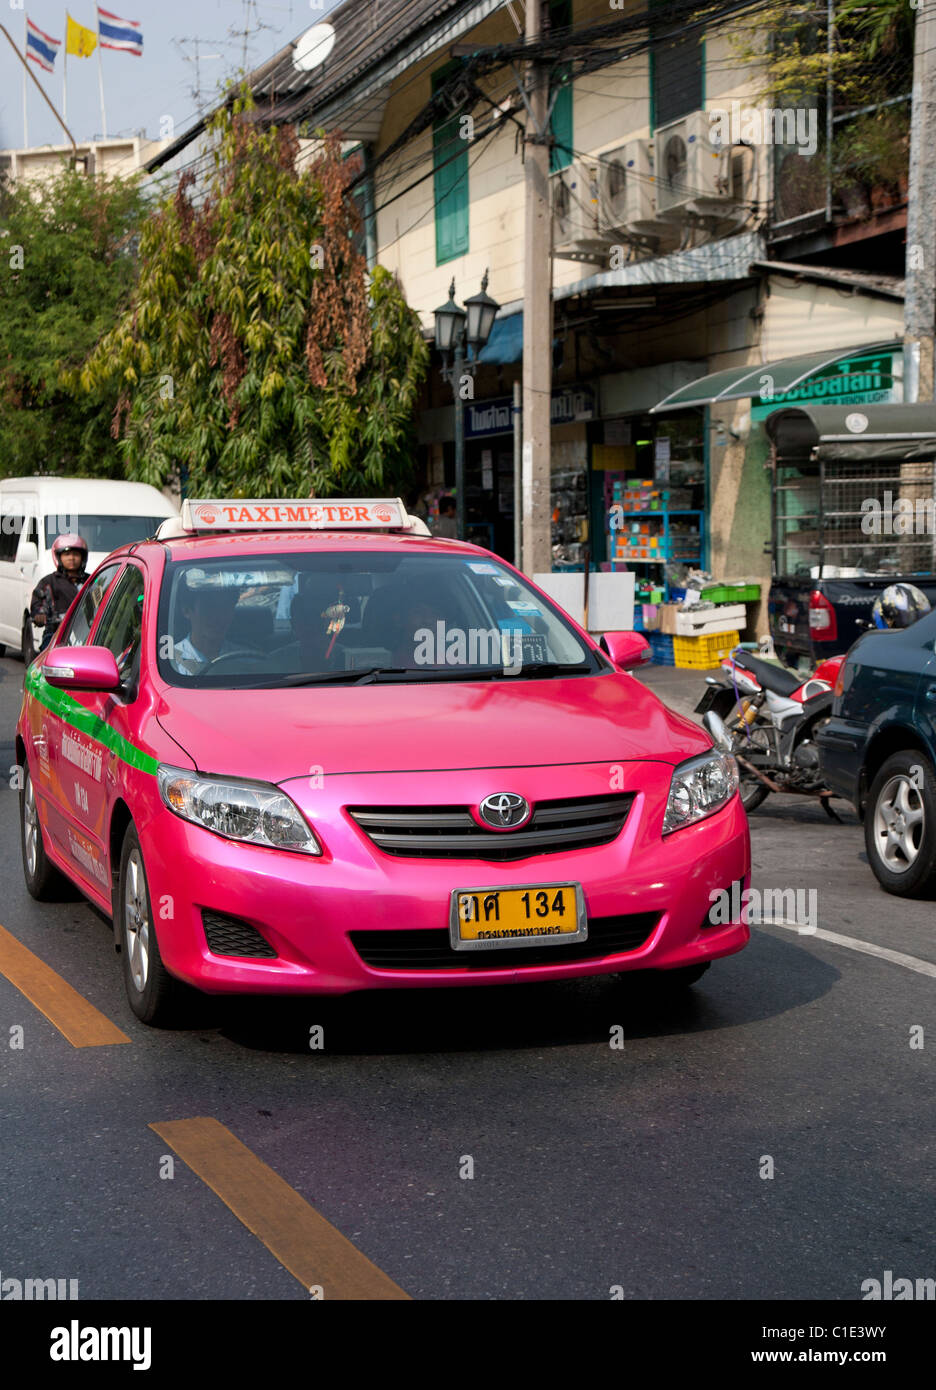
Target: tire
<point>43,880</point>
<point>900,825</point>
<point>675,981</point>
<point>155,996</point>
<point>27,645</point>
<point>752,789</point>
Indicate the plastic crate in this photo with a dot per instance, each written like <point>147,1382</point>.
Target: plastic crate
<point>662,648</point>
<point>702,653</point>
<point>732,593</point>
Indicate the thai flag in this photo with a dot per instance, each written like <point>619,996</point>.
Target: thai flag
<point>40,48</point>
<point>122,34</point>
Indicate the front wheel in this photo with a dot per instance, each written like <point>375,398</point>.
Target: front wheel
<point>43,880</point>
<point>155,996</point>
<point>900,825</point>
<point>675,981</point>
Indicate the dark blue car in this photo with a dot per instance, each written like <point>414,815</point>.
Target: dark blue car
<point>879,751</point>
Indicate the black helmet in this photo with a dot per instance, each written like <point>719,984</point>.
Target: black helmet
<point>900,605</point>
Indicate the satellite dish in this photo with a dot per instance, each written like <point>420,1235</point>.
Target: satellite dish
<point>313,47</point>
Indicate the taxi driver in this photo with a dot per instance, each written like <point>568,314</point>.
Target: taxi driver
<point>209,610</point>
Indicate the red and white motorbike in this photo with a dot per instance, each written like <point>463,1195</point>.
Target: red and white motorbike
<point>771,716</point>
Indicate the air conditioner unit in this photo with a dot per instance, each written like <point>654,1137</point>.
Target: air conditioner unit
<point>626,189</point>
<point>693,172</point>
<point>575,211</point>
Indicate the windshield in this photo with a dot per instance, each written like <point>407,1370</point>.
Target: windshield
<point>292,619</point>
<point>103,533</point>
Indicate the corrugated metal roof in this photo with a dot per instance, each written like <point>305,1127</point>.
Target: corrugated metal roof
<point>374,44</point>
<point>892,286</point>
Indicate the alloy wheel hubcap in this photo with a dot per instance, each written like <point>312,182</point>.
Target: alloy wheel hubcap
<point>899,824</point>
<point>30,829</point>
<point>136,922</point>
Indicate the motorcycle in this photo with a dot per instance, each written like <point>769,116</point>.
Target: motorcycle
<point>771,716</point>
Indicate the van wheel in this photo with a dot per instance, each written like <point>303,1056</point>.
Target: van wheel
<point>900,825</point>
<point>27,645</point>
<point>155,996</point>
<point>43,880</point>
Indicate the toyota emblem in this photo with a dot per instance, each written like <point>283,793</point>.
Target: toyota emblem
<point>504,810</point>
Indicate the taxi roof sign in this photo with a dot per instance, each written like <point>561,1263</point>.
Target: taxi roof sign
<point>298,514</point>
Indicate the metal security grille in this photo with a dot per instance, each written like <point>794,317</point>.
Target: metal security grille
<point>878,516</point>
<point>228,936</point>
<point>451,832</point>
<point>432,949</point>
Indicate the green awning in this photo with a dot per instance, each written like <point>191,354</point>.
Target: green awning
<point>735,383</point>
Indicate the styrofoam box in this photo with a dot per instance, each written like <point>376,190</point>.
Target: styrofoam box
<point>725,618</point>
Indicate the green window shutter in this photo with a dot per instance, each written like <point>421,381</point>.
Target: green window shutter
<point>561,125</point>
<point>450,180</point>
<point>677,71</point>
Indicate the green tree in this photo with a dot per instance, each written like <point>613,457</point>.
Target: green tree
<point>66,269</point>
<point>257,357</point>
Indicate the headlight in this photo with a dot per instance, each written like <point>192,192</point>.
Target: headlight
<point>255,812</point>
<point>699,788</point>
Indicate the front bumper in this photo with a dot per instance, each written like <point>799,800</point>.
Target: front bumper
<point>308,908</point>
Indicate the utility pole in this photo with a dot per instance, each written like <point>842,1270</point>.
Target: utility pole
<point>537,313</point>
<point>920,301</point>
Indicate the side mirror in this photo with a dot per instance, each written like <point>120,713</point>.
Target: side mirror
<point>81,668</point>
<point>626,649</point>
<point>28,553</point>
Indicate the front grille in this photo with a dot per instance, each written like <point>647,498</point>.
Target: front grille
<point>432,949</point>
<point>451,832</point>
<point>228,936</point>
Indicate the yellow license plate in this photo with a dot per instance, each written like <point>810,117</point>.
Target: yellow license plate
<point>538,915</point>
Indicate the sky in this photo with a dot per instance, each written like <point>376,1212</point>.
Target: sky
<point>140,92</point>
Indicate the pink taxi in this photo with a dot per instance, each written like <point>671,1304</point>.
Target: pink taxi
<point>304,748</point>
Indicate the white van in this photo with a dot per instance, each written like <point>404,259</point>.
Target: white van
<point>33,511</point>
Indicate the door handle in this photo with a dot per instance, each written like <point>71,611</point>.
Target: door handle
<point>931,692</point>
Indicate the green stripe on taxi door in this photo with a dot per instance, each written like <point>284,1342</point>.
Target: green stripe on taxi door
<point>73,713</point>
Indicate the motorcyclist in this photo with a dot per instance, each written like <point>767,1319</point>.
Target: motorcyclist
<point>899,605</point>
<point>53,595</point>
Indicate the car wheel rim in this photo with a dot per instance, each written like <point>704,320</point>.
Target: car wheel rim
<point>899,824</point>
<point>136,922</point>
<point>30,829</point>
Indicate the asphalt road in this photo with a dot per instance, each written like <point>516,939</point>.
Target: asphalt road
<point>638,1167</point>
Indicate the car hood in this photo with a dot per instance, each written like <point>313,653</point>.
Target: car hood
<point>272,735</point>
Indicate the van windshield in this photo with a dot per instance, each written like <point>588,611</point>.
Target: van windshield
<point>103,533</point>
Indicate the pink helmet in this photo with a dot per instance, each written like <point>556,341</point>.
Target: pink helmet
<point>70,541</point>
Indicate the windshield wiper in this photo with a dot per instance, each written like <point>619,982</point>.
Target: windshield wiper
<point>373,674</point>
<point>316,678</point>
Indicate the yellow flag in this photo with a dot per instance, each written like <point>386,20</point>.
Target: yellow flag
<point>78,40</point>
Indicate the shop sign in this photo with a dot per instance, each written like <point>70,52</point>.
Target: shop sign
<point>569,405</point>
<point>855,381</point>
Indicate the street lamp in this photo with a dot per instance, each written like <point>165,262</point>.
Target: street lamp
<point>456,328</point>
<point>482,311</point>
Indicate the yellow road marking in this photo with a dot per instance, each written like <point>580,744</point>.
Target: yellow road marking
<point>302,1240</point>
<point>80,1022</point>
